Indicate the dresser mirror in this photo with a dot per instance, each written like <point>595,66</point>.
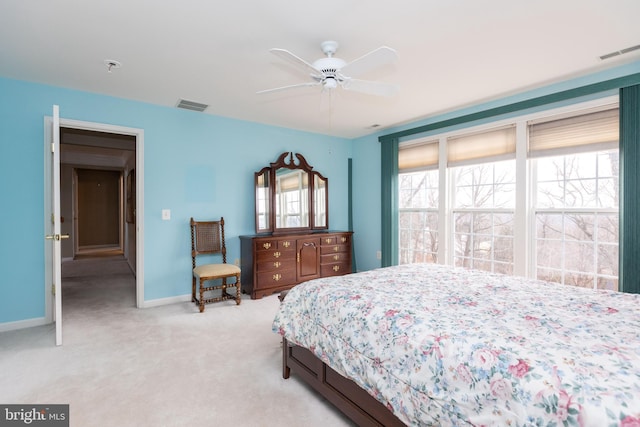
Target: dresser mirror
<point>290,196</point>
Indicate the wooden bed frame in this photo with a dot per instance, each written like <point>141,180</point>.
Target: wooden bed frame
<point>345,394</point>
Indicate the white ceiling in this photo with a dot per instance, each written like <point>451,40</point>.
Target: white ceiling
<point>451,53</point>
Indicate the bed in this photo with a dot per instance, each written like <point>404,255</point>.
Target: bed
<point>425,344</point>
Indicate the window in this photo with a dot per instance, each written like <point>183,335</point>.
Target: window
<point>419,201</point>
<point>483,198</point>
<point>537,195</point>
<point>483,212</point>
<point>418,217</point>
<point>576,199</point>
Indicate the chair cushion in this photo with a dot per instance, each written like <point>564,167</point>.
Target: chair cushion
<point>216,270</point>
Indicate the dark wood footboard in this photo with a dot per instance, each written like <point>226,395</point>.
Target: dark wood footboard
<point>346,395</point>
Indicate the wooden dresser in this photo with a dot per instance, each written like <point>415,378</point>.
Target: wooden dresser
<point>274,263</point>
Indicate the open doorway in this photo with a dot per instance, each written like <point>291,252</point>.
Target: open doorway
<point>96,202</point>
<point>96,192</point>
<point>105,157</point>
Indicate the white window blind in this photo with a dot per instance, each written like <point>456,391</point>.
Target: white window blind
<point>493,145</point>
<point>418,155</point>
<point>292,181</point>
<point>592,131</point>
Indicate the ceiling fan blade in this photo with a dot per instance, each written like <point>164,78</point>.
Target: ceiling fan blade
<point>278,89</point>
<point>370,88</point>
<point>297,61</point>
<point>374,59</point>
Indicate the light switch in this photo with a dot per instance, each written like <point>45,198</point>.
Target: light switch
<point>166,214</point>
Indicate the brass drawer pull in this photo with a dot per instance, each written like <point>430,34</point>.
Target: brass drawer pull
<point>266,245</point>
<point>335,249</point>
<point>336,268</point>
<point>277,277</point>
<point>336,257</point>
<point>277,264</point>
<point>286,244</point>
<point>277,254</point>
<point>344,239</point>
<point>328,240</point>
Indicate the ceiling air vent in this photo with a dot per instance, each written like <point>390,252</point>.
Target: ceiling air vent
<point>190,105</point>
<point>620,52</point>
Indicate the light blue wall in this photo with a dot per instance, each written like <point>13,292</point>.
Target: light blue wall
<point>194,164</point>
<point>366,158</point>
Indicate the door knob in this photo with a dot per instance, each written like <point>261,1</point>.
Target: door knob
<point>56,236</point>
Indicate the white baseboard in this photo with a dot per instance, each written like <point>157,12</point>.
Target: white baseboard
<point>21,324</point>
<point>165,301</point>
<point>39,321</point>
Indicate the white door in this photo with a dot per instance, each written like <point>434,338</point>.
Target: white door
<point>53,270</point>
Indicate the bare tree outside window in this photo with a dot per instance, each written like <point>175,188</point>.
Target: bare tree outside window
<point>577,219</point>
<point>418,217</point>
<point>483,211</point>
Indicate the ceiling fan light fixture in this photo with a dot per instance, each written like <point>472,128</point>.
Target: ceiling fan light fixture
<point>330,83</point>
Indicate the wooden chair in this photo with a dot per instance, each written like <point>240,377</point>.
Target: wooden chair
<point>207,238</point>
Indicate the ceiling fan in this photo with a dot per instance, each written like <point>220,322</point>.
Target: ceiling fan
<point>331,72</point>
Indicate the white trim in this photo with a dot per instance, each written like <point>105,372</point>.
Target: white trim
<point>444,196</point>
<point>165,301</point>
<point>23,324</point>
<point>521,216</point>
<point>140,218</point>
<point>48,250</point>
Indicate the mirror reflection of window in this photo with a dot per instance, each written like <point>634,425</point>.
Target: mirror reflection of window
<point>320,198</point>
<point>292,196</point>
<point>262,199</point>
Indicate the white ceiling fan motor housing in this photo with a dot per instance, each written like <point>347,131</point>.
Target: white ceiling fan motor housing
<point>329,65</point>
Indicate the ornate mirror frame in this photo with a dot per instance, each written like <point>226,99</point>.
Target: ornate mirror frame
<point>285,183</point>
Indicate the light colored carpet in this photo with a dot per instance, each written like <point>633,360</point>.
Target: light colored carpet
<point>164,366</point>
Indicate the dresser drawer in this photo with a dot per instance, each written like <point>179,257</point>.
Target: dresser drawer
<point>335,240</point>
<point>333,258</point>
<point>274,265</point>
<point>333,249</point>
<point>275,255</point>
<point>335,269</point>
<point>271,279</point>
<point>265,245</point>
<point>275,244</point>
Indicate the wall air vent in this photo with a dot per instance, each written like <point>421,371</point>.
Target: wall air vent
<point>620,52</point>
<point>190,105</point>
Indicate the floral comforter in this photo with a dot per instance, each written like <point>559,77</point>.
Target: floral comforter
<point>452,347</point>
